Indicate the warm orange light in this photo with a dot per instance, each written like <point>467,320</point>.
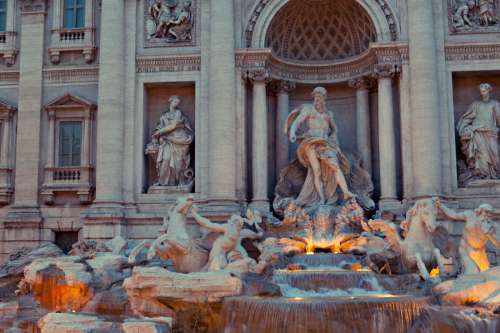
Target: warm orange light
<point>434,273</point>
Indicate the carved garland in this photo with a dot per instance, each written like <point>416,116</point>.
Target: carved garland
<point>263,3</point>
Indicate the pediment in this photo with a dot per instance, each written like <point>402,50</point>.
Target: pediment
<point>70,101</point>
<point>6,107</point>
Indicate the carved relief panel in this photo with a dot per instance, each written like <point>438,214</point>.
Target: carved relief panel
<point>473,16</point>
<point>169,22</point>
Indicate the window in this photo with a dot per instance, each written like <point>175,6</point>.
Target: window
<point>3,14</point>
<point>74,14</point>
<point>70,137</point>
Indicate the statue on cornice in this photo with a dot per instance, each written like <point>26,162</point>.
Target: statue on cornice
<point>171,142</point>
<point>478,130</point>
<point>322,174</point>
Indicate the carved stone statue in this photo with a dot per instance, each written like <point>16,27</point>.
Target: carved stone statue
<point>321,171</point>
<point>227,250</point>
<point>461,17</point>
<point>172,22</point>
<point>313,127</point>
<point>478,131</point>
<point>417,250</point>
<point>479,229</point>
<point>171,141</point>
<point>487,14</point>
<point>473,15</point>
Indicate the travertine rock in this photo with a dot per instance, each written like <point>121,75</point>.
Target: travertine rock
<point>8,312</point>
<point>59,284</point>
<point>108,269</point>
<point>145,327</point>
<point>482,288</point>
<point>148,287</point>
<point>117,245</point>
<point>23,257</point>
<point>75,323</point>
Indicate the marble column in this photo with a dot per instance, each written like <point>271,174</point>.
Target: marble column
<point>363,132</point>
<point>259,140</point>
<point>425,117</point>
<point>110,118</point>
<point>387,136</point>
<point>27,175</point>
<point>222,117</point>
<point>283,89</point>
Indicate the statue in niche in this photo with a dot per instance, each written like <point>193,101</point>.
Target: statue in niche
<point>321,172</point>
<point>171,21</point>
<point>478,132</point>
<point>313,127</point>
<point>478,231</point>
<point>171,142</point>
<point>477,15</point>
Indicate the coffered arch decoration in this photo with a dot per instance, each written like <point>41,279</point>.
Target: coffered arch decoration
<point>320,30</point>
<point>379,12</point>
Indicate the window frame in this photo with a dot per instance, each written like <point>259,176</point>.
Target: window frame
<point>75,8</point>
<point>4,11</point>
<point>58,143</point>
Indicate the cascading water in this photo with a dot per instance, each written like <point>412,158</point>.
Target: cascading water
<point>324,297</point>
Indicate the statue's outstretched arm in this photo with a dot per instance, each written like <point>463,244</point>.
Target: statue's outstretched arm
<point>450,213</point>
<point>204,222</point>
<point>493,239</point>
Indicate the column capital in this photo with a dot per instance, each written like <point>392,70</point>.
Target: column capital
<point>283,86</point>
<point>258,75</point>
<point>385,71</point>
<point>363,82</point>
<point>33,7</point>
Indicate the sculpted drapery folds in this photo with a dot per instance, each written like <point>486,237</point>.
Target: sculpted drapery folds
<point>171,141</point>
<point>313,127</point>
<point>478,131</point>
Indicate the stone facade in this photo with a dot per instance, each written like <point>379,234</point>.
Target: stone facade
<point>399,75</point>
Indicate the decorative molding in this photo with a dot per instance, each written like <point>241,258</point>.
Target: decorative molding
<point>33,7</point>
<point>283,86</point>
<point>71,74</point>
<point>258,75</point>
<point>173,24</point>
<point>9,78</point>
<point>472,52</point>
<point>364,82</point>
<point>363,65</point>
<point>385,71</point>
<point>384,6</point>
<point>178,63</point>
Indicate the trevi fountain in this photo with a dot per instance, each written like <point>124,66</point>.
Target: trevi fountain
<point>249,166</point>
